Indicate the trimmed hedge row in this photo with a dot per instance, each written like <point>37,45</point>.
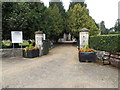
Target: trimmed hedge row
<point>108,43</point>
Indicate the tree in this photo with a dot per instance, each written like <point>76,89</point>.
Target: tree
<point>103,28</point>
<point>117,25</point>
<point>54,23</point>
<point>73,3</point>
<point>23,16</point>
<point>79,18</point>
<point>6,10</point>
<point>59,4</point>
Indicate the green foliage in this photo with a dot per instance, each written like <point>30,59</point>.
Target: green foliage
<point>117,25</point>
<point>109,43</point>
<point>30,17</point>
<point>8,44</point>
<point>30,46</point>
<point>103,28</point>
<point>25,43</point>
<point>113,32</point>
<point>86,46</point>
<point>22,16</point>
<point>54,22</point>
<point>73,3</point>
<point>59,4</point>
<point>79,18</point>
<point>117,28</point>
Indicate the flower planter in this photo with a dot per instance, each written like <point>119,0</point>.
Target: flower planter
<point>87,56</point>
<point>31,53</point>
<point>45,50</point>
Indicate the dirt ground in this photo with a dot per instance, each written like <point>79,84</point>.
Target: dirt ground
<point>59,69</point>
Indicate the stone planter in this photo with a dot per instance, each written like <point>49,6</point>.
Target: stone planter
<point>87,56</point>
<point>31,53</point>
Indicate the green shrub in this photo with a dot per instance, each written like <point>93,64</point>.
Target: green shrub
<point>6,44</point>
<point>108,43</point>
<point>25,43</point>
<point>113,32</point>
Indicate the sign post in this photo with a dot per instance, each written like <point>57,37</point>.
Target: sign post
<point>17,37</point>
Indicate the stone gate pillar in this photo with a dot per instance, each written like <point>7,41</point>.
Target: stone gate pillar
<point>83,37</point>
<point>38,38</point>
<point>39,41</point>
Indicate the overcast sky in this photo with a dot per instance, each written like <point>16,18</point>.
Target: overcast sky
<point>106,10</point>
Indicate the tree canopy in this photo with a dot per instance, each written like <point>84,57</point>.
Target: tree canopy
<point>22,16</point>
<point>78,18</point>
<point>73,3</point>
<point>53,21</point>
<point>103,28</point>
<point>117,25</point>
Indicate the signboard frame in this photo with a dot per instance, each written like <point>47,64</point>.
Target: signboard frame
<point>17,36</point>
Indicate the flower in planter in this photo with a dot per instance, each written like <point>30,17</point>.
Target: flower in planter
<point>86,49</point>
<point>31,47</point>
<point>87,54</point>
<point>31,51</point>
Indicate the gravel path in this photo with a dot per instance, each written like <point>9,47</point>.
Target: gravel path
<point>59,69</point>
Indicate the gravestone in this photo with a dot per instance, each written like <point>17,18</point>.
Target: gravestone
<point>65,37</point>
<point>83,37</point>
<point>69,37</point>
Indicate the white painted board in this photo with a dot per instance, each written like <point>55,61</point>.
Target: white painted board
<point>17,36</point>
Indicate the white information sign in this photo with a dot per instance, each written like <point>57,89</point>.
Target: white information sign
<point>17,36</point>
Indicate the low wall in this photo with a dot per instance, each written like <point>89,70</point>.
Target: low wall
<point>11,52</point>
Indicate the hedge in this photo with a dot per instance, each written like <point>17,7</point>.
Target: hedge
<point>108,43</point>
